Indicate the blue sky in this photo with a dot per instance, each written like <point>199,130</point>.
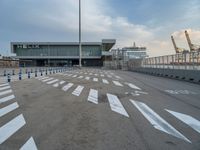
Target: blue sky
<point>149,23</point>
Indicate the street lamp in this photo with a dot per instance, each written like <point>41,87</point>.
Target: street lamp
<point>80,48</point>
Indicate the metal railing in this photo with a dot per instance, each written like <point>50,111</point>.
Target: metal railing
<point>185,61</point>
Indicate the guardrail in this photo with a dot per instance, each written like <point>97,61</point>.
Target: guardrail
<point>184,61</point>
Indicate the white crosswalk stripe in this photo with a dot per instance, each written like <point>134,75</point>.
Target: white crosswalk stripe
<point>95,79</point>
<point>5,84</point>
<point>8,109</point>
<point>53,81</point>
<point>87,78</point>
<point>11,127</point>
<point>56,85</point>
<point>102,75</point>
<point>80,77</point>
<point>105,81</point>
<point>29,145</point>
<point>5,92</point>
<point>116,105</point>
<point>4,88</point>
<point>190,121</point>
<point>78,90</point>
<point>67,87</point>
<point>7,98</point>
<point>117,83</point>
<point>93,96</point>
<point>156,121</point>
<point>74,76</point>
<point>62,82</point>
<point>133,86</point>
<point>45,80</point>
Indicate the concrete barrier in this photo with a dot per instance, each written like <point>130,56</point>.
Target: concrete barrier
<point>186,75</point>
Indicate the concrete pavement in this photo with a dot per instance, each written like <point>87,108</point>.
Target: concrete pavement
<point>99,109</point>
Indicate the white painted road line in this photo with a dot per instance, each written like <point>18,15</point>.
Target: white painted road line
<point>29,145</point>
<point>109,76</point>
<point>5,92</point>
<point>96,74</point>
<point>4,88</point>
<point>133,86</point>
<point>11,127</point>
<point>47,79</point>
<point>116,105</point>
<point>74,76</point>
<point>95,79</point>
<point>105,81</point>
<point>5,84</point>
<point>62,82</point>
<point>93,96</point>
<point>190,121</point>
<point>157,122</point>
<point>42,78</point>
<point>56,85</point>
<point>87,78</point>
<point>8,109</point>
<point>67,87</point>
<point>102,75</point>
<point>80,77</point>
<point>117,83</point>
<point>78,90</point>
<point>53,81</point>
<point>7,98</point>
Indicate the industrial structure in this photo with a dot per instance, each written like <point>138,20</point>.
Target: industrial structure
<point>61,53</point>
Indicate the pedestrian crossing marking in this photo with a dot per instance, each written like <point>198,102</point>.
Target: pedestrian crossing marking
<point>116,105</point>
<point>9,108</point>
<point>5,92</point>
<point>190,121</point>
<point>29,145</point>
<point>117,83</point>
<point>7,98</point>
<point>78,90</point>
<point>105,81</point>
<point>67,87</point>
<point>93,96</point>
<point>156,121</point>
<point>11,127</point>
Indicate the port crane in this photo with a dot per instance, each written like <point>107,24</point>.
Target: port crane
<point>177,49</point>
<point>193,47</point>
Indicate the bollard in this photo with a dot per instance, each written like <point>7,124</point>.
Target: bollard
<point>13,72</point>
<point>35,73</point>
<point>53,71</point>
<point>20,76</point>
<point>4,73</point>
<point>8,76</point>
<point>26,71</point>
<point>29,76</point>
<point>41,73</point>
<point>31,70</point>
<point>46,71</point>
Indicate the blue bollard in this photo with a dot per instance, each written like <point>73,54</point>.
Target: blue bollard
<point>13,72</point>
<point>41,73</point>
<point>29,75</point>
<point>4,73</point>
<point>20,76</point>
<point>26,71</point>
<point>35,73</point>
<point>8,76</point>
<point>46,71</point>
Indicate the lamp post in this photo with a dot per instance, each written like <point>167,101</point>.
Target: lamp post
<point>80,46</point>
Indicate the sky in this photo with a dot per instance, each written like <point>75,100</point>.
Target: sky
<point>149,23</point>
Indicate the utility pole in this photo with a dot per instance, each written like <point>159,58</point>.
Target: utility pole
<point>80,46</point>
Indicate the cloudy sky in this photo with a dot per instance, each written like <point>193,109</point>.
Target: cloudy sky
<point>149,23</point>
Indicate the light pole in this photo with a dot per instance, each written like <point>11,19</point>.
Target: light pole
<point>80,47</point>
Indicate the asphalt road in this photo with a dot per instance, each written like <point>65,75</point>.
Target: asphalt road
<point>99,109</point>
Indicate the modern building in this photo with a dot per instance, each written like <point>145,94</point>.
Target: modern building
<point>61,53</point>
<point>127,53</point>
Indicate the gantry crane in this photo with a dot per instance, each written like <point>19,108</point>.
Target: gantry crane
<point>193,47</point>
<point>177,49</point>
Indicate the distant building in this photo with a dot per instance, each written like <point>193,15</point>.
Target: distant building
<point>8,62</point>
<point>61,53</point>
<point>127,53</point>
